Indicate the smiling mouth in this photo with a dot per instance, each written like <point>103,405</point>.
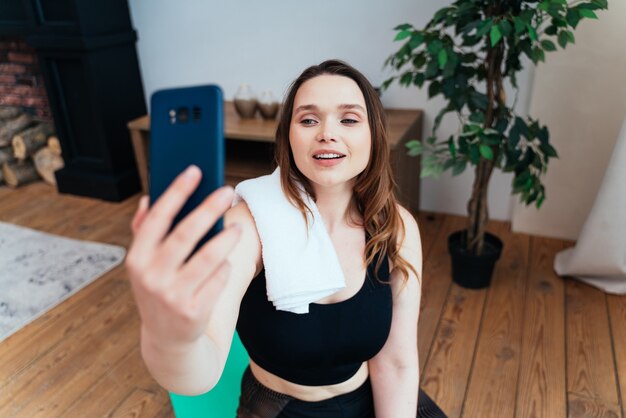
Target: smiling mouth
<point>329,156</point>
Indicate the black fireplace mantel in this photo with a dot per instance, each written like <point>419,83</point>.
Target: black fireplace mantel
<point>86,51</point>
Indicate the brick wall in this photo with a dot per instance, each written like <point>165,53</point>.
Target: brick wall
<point>21,82</point>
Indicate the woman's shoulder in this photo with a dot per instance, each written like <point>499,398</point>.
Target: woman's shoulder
<point>407,233</point>
<point>408,219</point>
<point>250,242</point>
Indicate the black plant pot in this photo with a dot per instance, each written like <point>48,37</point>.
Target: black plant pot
<point>473,271</point>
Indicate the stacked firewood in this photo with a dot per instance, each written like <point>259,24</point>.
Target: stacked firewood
<point>29,150</point>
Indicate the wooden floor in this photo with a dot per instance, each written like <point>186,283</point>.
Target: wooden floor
<point>531,345</point>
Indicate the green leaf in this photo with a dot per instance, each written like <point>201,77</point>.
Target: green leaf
<point>484,27</point>
<point>449,163</point>
<point>403,34</point>
<point>505,27</point>
<point>521,126</point>
<point>431,69</point>
<point>478,117</point>
<point>479,100</point>
<point>548,45</point>
<point>415,148</point>
<point>485,151</point>
<point>563,39</point>
<point>521,179</point>
<point>386,83</point>
<point>443,58</point>
<point>549,151</point>
<point>587,13</point>
<point>495,35</point>
<point>452,146</point>
<point>519,25</point>
<point>474,154</point>
<point>570,36</point>
<point>434,89</point>
<point>532,33</point>
<point>406,79</point>
<point>551,30</point>
<point>416,40</point>
<point>538,55</point>
<point>404,26</point>
<point>418,80</point>
<point>572,18</point>
<point>419,61</point>
<point>459,167</point>
<point>434,47</point>
<point>469,27</point>
<point>527,16</point>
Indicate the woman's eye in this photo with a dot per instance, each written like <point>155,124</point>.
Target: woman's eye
<point>349,121</point>
<point>307,121</point>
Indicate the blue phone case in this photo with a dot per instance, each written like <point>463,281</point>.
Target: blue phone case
<point>187,127</point>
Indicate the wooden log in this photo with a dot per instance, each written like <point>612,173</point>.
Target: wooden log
<point>27,142</point>
<point>6,155</point>
<point>9,112</point>
<point>19,173</point>
<point>54,144</point>
<point>47,161</point>
<point>12,126</point>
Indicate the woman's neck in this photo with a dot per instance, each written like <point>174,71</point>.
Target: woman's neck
<point>334,205</point>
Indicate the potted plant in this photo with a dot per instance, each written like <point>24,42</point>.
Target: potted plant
<point>465,53</point>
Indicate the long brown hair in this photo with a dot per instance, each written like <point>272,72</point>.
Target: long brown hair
<point>373,197</point>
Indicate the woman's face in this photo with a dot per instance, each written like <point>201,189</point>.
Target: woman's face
<point>329,134</point>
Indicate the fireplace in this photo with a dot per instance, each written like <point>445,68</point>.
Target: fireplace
<point>90,86</point>
<point>21,80</point>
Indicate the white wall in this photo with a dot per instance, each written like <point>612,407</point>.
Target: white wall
<point>268,43</point>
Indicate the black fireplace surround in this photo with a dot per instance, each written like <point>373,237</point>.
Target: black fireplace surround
<point>86,51</point>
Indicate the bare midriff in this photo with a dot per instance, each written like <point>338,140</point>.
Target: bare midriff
<point>309,393</point>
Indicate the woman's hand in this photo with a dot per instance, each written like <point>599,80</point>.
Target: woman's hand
<point>175,298</point>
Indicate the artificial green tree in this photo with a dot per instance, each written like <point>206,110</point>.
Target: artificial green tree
<point>465,53</point>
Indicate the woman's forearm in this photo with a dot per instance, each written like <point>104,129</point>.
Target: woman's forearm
<point>189,370</point>
<point>395,392</point>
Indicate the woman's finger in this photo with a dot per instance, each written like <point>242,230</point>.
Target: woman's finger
<point>159,218</point>
<point>211,287</point>
<point>182,240</point>
<point>140,214</point>
<point>210,256</point>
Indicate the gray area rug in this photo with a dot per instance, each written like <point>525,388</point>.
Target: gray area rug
<point>39,270</point>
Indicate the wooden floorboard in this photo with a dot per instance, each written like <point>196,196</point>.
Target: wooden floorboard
<point>616,306</point>
<point>591,385</point>
<point>491,388</point>
<point>541,391</point>
<point>531,345</point>
<point>435,288</point>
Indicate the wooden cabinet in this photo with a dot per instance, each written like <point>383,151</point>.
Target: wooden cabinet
<point>250,149</point>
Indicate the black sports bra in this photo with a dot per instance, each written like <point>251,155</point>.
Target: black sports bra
<point>325,346</point>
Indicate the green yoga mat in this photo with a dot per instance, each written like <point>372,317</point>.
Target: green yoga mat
<point>222,401</point>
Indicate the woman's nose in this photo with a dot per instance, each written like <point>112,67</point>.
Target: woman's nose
<point>325,136</point>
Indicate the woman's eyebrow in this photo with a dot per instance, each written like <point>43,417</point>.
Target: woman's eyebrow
<point>352,106</point>
<point>305,107</point>
<point>347,106</point>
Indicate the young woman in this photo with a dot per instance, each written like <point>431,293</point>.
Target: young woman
<point>355,353</point>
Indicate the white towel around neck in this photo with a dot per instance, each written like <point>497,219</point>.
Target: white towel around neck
<point>300,268</point>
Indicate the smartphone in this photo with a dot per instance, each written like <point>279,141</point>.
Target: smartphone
<point>187,127</point>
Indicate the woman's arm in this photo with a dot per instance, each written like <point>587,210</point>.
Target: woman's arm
<point>394,371</point>
<point>179,299</point>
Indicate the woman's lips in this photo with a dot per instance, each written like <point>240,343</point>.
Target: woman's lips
<point>328,162</point>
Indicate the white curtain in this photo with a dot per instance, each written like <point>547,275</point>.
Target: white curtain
<point>599,257</point>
